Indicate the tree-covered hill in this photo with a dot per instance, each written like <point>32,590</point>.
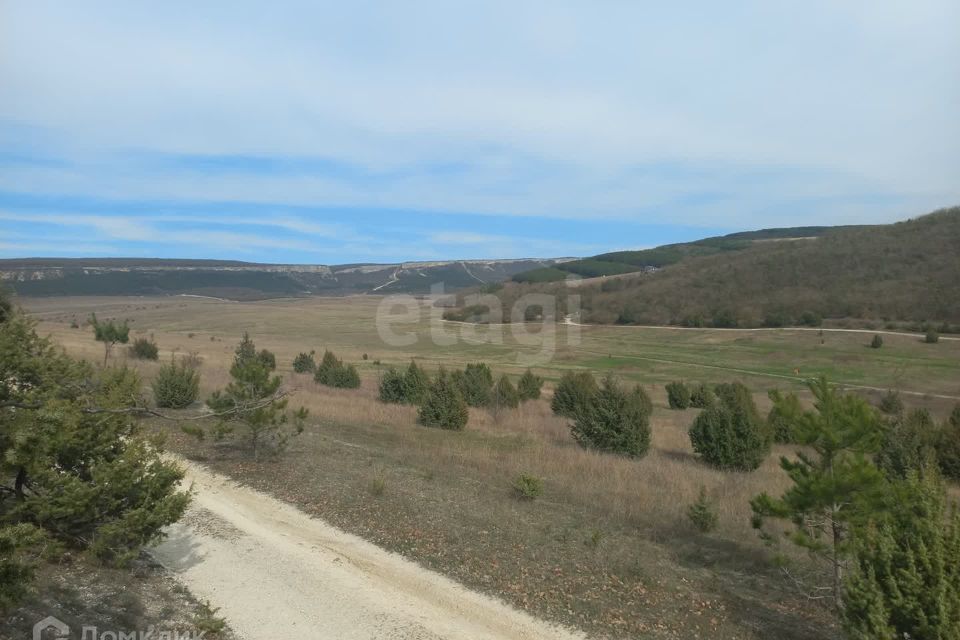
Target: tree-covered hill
<point>903,272</point>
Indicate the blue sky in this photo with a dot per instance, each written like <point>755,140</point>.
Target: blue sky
<point>373,131</point>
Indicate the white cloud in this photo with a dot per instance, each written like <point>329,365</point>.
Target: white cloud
<point>550,104</point>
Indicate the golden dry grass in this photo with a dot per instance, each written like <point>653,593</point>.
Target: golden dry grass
<point>641,504</point>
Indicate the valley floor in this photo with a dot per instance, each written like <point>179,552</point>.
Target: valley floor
<point>607,549</point>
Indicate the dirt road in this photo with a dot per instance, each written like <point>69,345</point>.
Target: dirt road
<point>277,573</point>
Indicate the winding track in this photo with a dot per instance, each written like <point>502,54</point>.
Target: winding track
<point>277,573</point>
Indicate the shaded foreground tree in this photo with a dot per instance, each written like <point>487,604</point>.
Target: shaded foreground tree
<point>948,447</point>
<point>905,578</point>
<point>835,483</point>
<point>76,471</point>
<point>615,420</point>
<point>254,403</point>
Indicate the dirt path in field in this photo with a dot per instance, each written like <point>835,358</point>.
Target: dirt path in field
<point>277,573</point>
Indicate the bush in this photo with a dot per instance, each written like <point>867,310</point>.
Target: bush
<point>304,363</point>
<point>573,393</point>
<point>891,403</point>
<point>932,337</point>
<point>410,387</point>
<point>333,373</point>
<point>144,349</point>
<point>444,406</point>
<point>476,384</point>
<point>701,396</point>
<point>267,359</point>
<point>786,409</point>
<point>392,387</point>
<point>678,395</point>
<point>810,319</point>
<point>729,434</point>
<point>948,446</point>
<point>504,395</point>
<point>615,420</point>
<point>909,443</point>
<point>176,385</point>
<point>702,513</point>
<point>527,487</point>
<point>529,385</point>
<point>877,342</point>
<point>416,384</point>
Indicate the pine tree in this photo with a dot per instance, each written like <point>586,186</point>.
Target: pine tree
<point>304,363</point>
<point>573,393</point>
<point>392,388</point>
<point>783,415</point>
<point>74,463</point>
<point>905,578</point>
<point>477,384</point>
<point>908,443</point>
<point>835,482</point>
<point>948,446</point>
<point>615,420</point>
<point>504,396</point>
<point>529,385</point>
<point>176,385</point>
<point>109,332</point>
<point>444,406</point>
<point>729,434</point>
<point>416,384</point>
<point>246,350</point>
<point>891,403</point>
<point>333,373</point>
<point>254,402</point>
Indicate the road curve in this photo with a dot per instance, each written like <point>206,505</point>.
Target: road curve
<point>275,572</point>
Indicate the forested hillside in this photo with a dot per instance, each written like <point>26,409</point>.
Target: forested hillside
<point>903,272</point>
<point>620,262</point>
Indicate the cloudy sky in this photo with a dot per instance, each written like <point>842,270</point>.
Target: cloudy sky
<point>337,132</point>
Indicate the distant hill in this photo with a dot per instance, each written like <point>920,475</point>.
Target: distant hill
<point>619,262</point>
<point>903,272</point>
<point>244,280</point>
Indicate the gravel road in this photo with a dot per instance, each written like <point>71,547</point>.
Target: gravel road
<point>275,572</point>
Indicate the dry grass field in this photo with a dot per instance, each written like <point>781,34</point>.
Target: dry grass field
<point>608,546</point>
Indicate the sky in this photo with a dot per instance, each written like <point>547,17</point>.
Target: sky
<point>316,132</point>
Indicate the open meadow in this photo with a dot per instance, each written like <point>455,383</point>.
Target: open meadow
<point>609,546</point>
